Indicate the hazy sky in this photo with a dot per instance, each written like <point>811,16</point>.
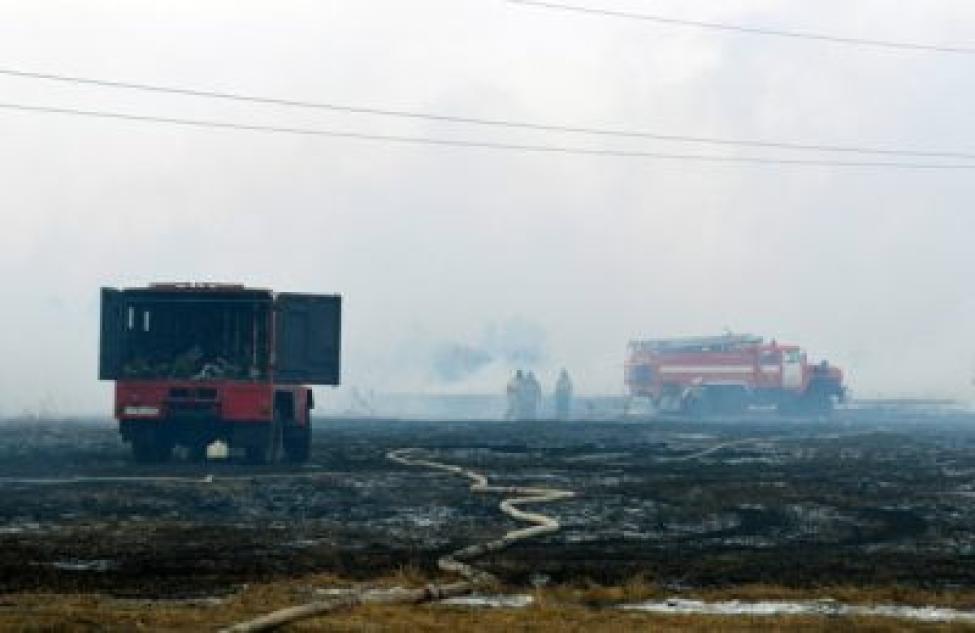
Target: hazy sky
<point>432,247</point>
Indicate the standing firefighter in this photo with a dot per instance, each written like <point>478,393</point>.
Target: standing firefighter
<point>531,397</point>
<point>515,388</point>
<point>524,395</point>
<point>563,395</point>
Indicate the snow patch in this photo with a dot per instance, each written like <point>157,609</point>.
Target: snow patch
<point>515,601</point>
<point>809,607</point>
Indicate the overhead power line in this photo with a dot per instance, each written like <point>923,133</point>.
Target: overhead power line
<point>736,28</point>
<point>448,142</point>
<point>490,122</point>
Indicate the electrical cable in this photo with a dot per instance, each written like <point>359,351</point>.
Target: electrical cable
<point>495,122</point>
<point>670,21</point>
<point>491,145</point>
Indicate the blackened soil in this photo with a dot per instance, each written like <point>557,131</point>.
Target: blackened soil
<point>869,497</point>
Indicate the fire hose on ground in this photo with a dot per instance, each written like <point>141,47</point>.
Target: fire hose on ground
<point>473,578</point>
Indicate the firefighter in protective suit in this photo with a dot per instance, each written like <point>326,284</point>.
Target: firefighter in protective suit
<point>513,392</point>
<point>531,397</point>
<point>563,395</point>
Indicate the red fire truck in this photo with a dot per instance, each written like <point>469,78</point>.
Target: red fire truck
<point>196,363</point>
<point>728,373</point>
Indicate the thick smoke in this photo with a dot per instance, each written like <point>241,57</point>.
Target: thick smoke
<point>506,345</point>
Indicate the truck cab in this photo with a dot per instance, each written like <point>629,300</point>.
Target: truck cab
<point>196,363</point>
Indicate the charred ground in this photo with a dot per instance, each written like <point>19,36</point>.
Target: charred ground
<point>872,497</point>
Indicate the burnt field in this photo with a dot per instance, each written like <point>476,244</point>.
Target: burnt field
<point>872,497</point>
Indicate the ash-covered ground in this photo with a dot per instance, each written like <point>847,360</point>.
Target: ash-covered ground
<point>872,496</point>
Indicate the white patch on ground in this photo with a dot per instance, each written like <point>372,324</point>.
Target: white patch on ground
<point>21,528</point>
<point>515,601</point>
<point>598,457</point>
<point>713,523</point>
<point>739,461</point>
<point>504,601</point>
<point>809,607</point>
<point>83,565</point>
<point>336,591</point>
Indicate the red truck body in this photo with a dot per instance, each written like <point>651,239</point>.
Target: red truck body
<point>728,373</point>
<point>196,363</point>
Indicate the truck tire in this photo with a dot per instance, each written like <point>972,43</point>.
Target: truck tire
<point>268,451</point>
<point>818,398</point>
<point>297,443</point>
<point>196,452</point>
<point>787,407</point>
<point>151,447</point>
<point>816,404</point>
<point>695,406</point>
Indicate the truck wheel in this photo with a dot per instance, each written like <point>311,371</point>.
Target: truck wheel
<point>196,452</point>
<point>143,451</point>
<point>269,450</point>
<point>695,404</point>
<point>817,404</point>
<point>297,444</point>
<point>151,448</point>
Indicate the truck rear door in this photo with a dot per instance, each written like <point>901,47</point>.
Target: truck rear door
<point>307,338</point>
<point>112,334</point>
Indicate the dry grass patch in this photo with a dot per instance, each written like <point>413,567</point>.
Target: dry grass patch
<point>547,619</point>
<point>583,607</point>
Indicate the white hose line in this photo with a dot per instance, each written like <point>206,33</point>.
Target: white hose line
<point>714,449</point>
<point>473,577</point>
<point>542,524</point>
<point>207,478</point>
<point>755,440</point>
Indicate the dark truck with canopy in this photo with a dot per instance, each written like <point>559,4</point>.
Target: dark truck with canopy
<point>198,363</point>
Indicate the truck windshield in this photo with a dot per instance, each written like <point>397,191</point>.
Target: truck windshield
<point>196,340</point>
